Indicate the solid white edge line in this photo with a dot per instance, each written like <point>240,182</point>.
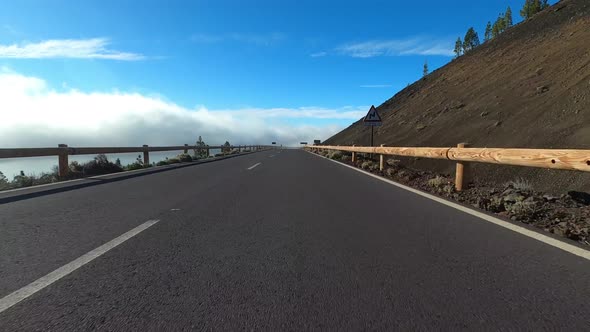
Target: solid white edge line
<point>515,228</point>
<point>37,285</point>
<point>251,167</point>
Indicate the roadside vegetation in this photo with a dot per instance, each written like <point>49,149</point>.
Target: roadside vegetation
<point>565,214</point>
<point>504,21</point>
<point>101,165</point>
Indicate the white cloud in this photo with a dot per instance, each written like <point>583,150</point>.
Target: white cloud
<point>33,114</point>
<point>412,46</point>
<point>248,38</point>
<point>95,48</point>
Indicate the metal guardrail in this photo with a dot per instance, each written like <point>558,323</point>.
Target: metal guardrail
<point>567,159</point>
<point>63,151</point>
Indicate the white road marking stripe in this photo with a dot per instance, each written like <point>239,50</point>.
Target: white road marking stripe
<point>251,167</point>
<point>271,156</point>
<point>37,285</point>
<point>515,228</point>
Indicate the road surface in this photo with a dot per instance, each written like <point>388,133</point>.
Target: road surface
<point>276,240</point>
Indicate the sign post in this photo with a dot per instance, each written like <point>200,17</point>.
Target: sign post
<point>372,119</point>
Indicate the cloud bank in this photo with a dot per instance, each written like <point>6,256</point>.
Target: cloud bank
<point>33,114</point>
<point>95,48</point>
<point>399,47</point>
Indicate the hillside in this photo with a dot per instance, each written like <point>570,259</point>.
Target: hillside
<point>530,87</point>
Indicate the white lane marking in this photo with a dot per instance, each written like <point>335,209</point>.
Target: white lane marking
<point>515,228</point>
<point>251,167</point>
<point>271,156</point>
<point>37,285</point>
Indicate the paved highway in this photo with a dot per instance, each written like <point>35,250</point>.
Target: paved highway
<point>276,240</point>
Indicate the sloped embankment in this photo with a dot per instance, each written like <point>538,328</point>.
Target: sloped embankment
<point>530,87</point>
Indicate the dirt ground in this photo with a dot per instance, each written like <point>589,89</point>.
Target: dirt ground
<point>528,88</point>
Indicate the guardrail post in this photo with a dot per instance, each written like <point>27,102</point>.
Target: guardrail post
<point>146,155</point>
<point>353,154</point>
<point>208,153</point>
<point>381,157</point>
<point>63,167</point>
<point>461,170</point>
<point>185,148</point>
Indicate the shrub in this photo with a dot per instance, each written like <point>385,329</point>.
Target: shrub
<point>184,158</point>
<point>390,172</point>
<point>346,158</point>
<point>437,182</point>
<point>219,155</point>
<point>134,166</point>
<point>3,182</point>
<point>100,165</point>
<point>21,181</point>
<point>367,165</point>
<point>336,155</point>
<point>173,161</point>
<point>393,162</point>
<point>162,163</point>
<point>519,184</point>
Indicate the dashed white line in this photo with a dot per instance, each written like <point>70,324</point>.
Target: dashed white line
<point>251,167</point>
<point>37,285</point>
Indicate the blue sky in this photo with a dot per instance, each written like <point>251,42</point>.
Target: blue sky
<point>321,57</point>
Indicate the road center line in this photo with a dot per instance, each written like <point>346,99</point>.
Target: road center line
<point>37,285</point>
<point>251,167</point>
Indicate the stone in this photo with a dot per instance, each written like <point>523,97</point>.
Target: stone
<point>580,197</point>
<point>542,89</point>
<point>549,198</point>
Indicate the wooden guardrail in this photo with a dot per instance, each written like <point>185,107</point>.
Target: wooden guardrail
<point>567,159</point>
<point>63,151</point>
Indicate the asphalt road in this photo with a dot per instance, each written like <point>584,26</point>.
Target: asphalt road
<point>295,243</point>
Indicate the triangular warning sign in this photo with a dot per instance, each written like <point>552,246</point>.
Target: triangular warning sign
<point>372,116</point>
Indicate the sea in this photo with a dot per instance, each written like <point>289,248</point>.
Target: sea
<point>11,167</point>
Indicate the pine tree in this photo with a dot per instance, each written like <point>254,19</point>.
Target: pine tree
<point>226,147</point>
<point>425,72</point>
<point>200,149</point>
<point>488,34</point>
<point>458,47</point>
<point>531,7</point>
<point>471,40</point>
<point>508,18</point>
<point>499,25</point>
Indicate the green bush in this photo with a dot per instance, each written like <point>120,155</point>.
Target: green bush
<point>162,163</point>
<point>184,157</point>
<point>4,184</point>
<point>173,161</point>
<point>100,165</point>
<point>134,166</point>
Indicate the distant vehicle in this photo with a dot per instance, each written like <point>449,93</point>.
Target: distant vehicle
<point>317,142</point>
<point>304,143</point>
<point>274,143</point>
